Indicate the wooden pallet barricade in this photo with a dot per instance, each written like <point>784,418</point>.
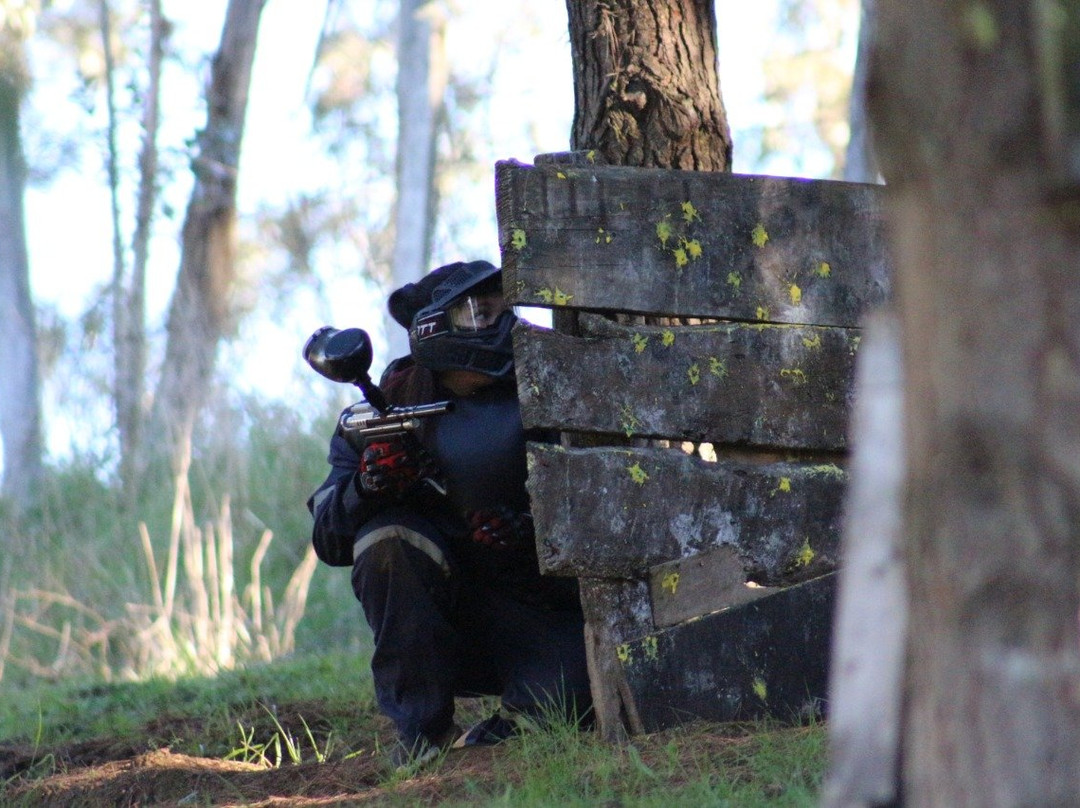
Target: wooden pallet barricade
<point>708,581</point>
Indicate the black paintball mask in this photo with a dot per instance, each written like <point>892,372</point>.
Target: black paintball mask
<point>464,324</point>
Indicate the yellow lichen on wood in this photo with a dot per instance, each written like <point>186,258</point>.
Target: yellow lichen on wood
<point>637,474</point>
<point>670,582</point>
<point>759,688</point>
<point>805,555</point>
<point>663,230</point>
<point>718,367</point>
<point>555,298</point>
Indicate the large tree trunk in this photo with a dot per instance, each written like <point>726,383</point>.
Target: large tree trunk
<point>989,297</point>
<point>646,94</point>
<point>20,397</point>
<point>646,86</point>
<point>200,311</point>
<point>421,87</point>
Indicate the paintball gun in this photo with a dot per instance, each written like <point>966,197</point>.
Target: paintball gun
<point>345,356</point>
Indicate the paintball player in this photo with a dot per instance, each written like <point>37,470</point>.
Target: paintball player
<point>438,531</point>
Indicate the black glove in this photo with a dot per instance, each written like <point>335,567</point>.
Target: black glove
<point>501,527</point>
<point>391,467</point>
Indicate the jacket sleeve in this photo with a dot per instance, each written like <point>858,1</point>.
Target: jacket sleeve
<point>338,509</point>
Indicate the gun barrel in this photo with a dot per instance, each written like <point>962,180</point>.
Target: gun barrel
<point>402,419</point>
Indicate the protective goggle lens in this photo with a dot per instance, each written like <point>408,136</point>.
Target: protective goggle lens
<point>476,312</point>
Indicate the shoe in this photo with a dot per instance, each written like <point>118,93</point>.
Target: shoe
<point>489,732</point>
<point>414,754</point>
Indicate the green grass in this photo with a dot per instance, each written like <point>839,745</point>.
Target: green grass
<point>319,709</point>
<point>209,708</point>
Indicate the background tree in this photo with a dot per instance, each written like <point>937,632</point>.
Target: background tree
<point>200,312</point>
<point>421,85</point>
<point>987,248</point>
<point>646,94</point>
<point>20,397</point>
<point>129,283</point>
<point>646,85</point>
<point>860,163</point>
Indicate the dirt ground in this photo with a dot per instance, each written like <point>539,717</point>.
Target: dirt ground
<point>106,773</point>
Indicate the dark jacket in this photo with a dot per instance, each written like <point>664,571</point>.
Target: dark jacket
<point>480,446</point>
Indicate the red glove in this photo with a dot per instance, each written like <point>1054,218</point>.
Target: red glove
<point>501,527</point>
<point>390,467</point>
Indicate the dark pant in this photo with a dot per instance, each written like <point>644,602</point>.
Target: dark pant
<point>440,632</point>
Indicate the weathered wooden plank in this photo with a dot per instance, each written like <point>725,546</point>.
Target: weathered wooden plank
<point>615,512</point>
<point>686,588</point>
<point>615,611</point>
<point>733,383</point>
<point>768,658</point>
<point>704,244</point>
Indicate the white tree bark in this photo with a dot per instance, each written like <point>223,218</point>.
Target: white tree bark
<point>867,669</point>
<point>20,397</point>
<point>200,312</point>
<point>421,86</point>
<point>860,164</point>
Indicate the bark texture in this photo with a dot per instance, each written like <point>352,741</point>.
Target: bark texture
<point>200,311</point>
<point>646,87</point>
<point>989,296</point>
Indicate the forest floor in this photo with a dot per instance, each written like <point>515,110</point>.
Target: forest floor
<point>117,772</point>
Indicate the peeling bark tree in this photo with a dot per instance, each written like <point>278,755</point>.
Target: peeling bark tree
<point>200,313</point>
<point>988,245</point>
<point>646,87</point>
<point>20,397</point>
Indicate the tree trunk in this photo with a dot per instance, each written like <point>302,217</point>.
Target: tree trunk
<point>646,94</point>
<point>20,396</point>
<point>646,87</point>
<point>421,86</point>
<point>129,290</point>
<point>860,164</point>
<point>200,311</point>
<point>989,297</point>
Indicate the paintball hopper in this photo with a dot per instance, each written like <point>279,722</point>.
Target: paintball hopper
<point>344,356</point>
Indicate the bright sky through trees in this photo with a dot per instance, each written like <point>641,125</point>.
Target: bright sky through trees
<point>531,107</point>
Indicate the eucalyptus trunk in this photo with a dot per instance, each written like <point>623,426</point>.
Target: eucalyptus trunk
<point>200,313</point>
<point>20,394</point>
<point>421,87</point>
